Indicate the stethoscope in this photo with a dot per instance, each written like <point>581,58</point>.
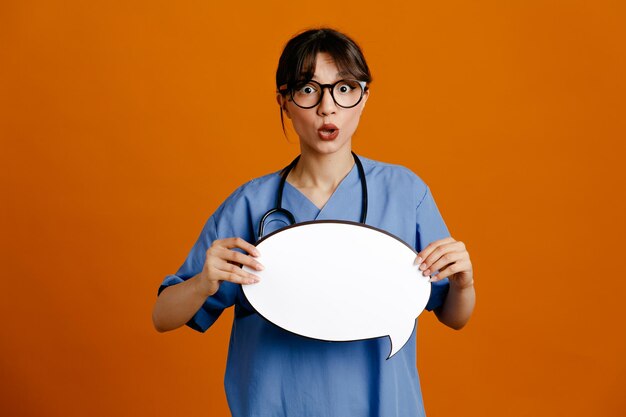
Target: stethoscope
<point>287,213</point>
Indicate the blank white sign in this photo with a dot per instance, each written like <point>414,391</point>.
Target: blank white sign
<point>339,281</point>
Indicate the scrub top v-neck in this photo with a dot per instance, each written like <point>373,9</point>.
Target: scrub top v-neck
<point>293,197</point>
<point>274,373</point>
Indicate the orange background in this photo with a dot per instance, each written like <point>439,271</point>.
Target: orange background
<point>125,124</point>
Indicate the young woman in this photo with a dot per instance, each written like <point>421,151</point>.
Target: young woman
<point>322,87</point>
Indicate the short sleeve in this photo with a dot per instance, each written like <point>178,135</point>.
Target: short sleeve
<point>215,304</point>
<point>431,227</point>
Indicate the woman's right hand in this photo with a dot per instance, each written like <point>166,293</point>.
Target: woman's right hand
<point>224,264</point>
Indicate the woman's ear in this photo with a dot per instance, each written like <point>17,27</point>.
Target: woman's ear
<point>282,102</point>
<point>366,96</point>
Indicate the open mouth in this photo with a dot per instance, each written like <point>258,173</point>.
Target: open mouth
<point>328,131</point>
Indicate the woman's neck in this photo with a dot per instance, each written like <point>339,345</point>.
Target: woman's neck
<point>321,171</point>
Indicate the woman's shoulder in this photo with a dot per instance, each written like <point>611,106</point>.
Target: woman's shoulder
<point>389,173</point>
<point>255,187</point>
<point>258,184</point>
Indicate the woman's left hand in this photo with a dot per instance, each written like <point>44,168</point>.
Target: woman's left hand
<point>450,258</point>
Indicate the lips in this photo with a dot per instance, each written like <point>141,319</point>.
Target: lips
<point>328,131</point>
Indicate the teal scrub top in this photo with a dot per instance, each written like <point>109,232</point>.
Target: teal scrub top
<point>271,372</point>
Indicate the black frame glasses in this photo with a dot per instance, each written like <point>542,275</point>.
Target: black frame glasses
<point>286,89</point>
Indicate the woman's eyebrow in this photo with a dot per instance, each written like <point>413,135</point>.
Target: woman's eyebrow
<point>339,76</point>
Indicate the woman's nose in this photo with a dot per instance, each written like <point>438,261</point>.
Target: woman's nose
<point>327,104</point>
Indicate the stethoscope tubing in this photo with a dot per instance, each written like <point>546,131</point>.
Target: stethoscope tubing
<point>279,196</point>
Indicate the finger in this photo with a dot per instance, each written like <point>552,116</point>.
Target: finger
<point>431,247</point>
<point>445,259</point>
<point>237,242</point>
<point>234,274</point>
<point>437,253</point>
<point>450,270</point>
<point>240,258</point>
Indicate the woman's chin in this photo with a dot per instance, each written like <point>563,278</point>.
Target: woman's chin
<point>325,147</point>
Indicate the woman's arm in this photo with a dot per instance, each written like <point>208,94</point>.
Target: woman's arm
<point>458,306</point>
<point>180,302</point>
<point>451,259</point>
<point>177,304</point>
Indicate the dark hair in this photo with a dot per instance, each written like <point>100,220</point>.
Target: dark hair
<point>297,62</point>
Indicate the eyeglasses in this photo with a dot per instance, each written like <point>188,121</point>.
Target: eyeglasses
<point>308,94</point>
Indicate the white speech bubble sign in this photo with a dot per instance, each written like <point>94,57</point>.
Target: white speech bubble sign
<point>339,281</point>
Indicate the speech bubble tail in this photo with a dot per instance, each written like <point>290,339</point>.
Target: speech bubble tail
<point>400,336</point>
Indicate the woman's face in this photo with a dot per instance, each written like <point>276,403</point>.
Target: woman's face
<point>311,125</point>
